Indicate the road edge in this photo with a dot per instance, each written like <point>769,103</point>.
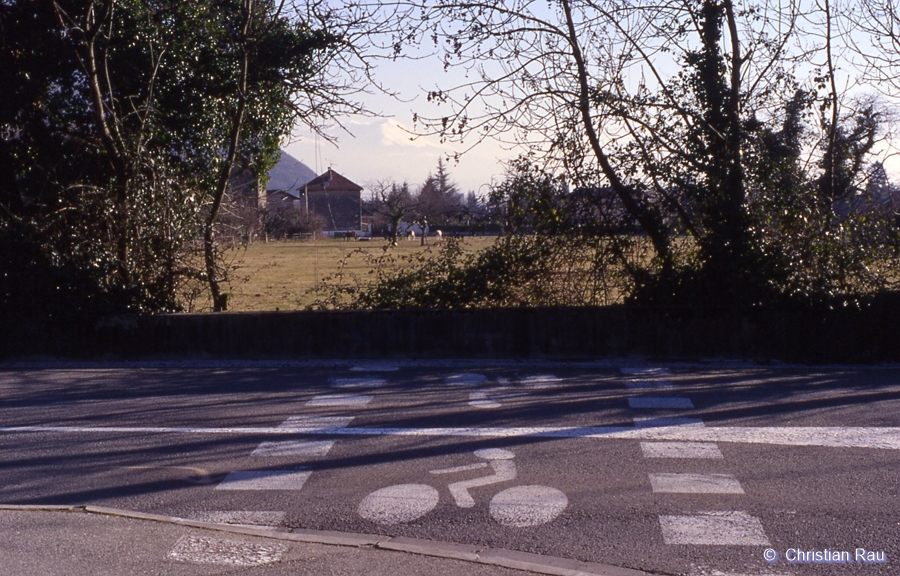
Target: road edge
<point>526,561</point>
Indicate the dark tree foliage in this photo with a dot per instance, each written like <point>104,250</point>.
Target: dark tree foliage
<point>124,122</point>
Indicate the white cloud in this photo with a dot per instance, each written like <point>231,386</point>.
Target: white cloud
<point>395,134</point>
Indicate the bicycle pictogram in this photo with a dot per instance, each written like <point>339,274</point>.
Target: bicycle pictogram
<point>519,506</point>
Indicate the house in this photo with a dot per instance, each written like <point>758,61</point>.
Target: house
<point>331,200</point>
<point>335,200</point>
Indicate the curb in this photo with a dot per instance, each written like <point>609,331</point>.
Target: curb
<point>537,563</point>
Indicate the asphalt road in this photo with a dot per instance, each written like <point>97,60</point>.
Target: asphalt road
<point>697,469</point>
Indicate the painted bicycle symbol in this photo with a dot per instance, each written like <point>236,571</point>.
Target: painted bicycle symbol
<point>519,506</point>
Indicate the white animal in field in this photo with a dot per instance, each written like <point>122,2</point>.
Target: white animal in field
<point>411,235</point>
<point>439,234</point>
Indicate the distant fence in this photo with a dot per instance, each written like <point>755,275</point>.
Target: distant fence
<point>871,335</point>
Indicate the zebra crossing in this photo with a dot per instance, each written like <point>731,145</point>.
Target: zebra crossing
<point>654,401</point>
<point>229,552</point>
<point>694,528</point>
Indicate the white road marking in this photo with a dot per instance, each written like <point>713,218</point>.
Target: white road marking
<point>455,469</point>
<point>240,518</point>
<point>467,379</point>
<point>714,529</point>
<point>265,480</point>
<point>201,550</point>
<point>480,399</point>
<point>527,506</point>
<point>312,423</point>
<point>504,470</point>
<point>649,385</point>
<point>541,381</point>
<point>339,400</point>
<point>695,483</point>
<point>706,450</point>
<point>674,429</point>
<point>643,371</point>
<point>660,422</point>
<point>490,397</point>
<point>494,454</point>
<point>307,448</point>
<point>654,402</point>
<point>398,504</point>
<point>356,382</point>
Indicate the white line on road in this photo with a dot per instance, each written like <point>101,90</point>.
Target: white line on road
<point>695,483</point>
<point>706,450</point>
<point>887,438</point>
<point>714,529</point>
<point>660,421</point>
<point>339,400</point>
<point>654,402</point>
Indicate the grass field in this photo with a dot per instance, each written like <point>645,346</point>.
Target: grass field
<point>284,275</point>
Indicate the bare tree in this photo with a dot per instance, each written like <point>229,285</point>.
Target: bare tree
<point>394,202</point>
<point>669,104</point>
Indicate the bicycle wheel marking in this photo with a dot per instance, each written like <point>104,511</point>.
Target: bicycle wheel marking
<point>398,504</point>
<point>527,506</point>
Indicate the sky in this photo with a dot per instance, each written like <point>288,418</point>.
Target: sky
<point>382,148</point>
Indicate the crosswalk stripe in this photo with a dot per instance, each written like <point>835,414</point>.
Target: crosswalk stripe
<point>294,448</point>
<point>699,450</point>
<point>714,529</point>
<point>695,483</point>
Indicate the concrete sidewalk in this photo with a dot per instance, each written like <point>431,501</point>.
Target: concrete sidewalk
<point>92,541</point>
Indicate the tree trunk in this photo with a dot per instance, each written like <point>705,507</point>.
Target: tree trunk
<point>210,253</point>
